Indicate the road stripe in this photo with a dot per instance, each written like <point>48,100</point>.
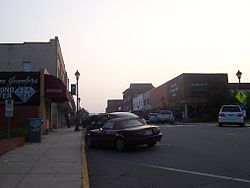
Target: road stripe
<point>196,173</point>
<point>186,171</point>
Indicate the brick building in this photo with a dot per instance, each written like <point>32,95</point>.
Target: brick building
<point>188,92</point>
<point>134,90</point>
<point>114,105</point>
<point>158,97</point>
<point>45,58</point>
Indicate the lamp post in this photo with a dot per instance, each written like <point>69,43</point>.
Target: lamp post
<point>238,74</point>
<point>77,74</point>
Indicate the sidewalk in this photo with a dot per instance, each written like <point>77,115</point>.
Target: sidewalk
<point>53,163</point>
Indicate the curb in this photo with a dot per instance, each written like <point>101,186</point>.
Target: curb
<point>85,174</point>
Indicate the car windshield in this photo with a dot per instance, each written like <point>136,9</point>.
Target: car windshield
<point>122,115</point>
<point>231,109</point>
<point>128,124</point>
<point>165,112</point>
<point>152,114</point>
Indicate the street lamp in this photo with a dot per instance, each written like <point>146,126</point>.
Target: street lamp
<point>77,74</point>
<point>238,74</point>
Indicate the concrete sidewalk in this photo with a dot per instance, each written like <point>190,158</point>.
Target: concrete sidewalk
<point>55,162</point>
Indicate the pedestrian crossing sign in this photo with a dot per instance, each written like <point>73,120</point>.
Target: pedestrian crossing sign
<point>241,96</point>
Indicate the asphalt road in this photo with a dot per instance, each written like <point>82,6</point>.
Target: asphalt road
<point>189,156</point>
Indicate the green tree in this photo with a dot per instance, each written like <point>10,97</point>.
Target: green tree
<point>217,95</point>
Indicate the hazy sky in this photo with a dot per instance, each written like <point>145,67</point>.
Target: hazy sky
<point>117,42</point>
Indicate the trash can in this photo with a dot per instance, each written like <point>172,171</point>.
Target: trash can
<point>35,130</point>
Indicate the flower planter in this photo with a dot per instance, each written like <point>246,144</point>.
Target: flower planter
<point>10,144</point>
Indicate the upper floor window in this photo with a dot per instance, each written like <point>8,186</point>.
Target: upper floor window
<point>26,66</point>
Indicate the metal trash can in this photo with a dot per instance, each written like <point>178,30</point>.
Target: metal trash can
<point>35,130</point>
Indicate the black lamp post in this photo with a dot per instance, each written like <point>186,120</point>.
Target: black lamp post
<point>238,74</point>
<point>77,74</point>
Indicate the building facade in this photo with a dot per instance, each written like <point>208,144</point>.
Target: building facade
<point>158,98</point>
<point>114,105</point>
<point>36,57</point>
<point>133,91</point>
<point>187,93</point>
<point>138,102</point>
<point>147,99</point>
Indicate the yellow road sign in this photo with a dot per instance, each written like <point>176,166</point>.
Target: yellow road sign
<point>241,96</point>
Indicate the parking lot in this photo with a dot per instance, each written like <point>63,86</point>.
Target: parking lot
<point>200,155</point>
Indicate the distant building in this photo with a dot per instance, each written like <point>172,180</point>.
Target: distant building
<point>147,100</point>
<point>187,93</point>
<point>134,90</point>
<point>158,98</point>
<point>114,105</point>
<point>138,102</point>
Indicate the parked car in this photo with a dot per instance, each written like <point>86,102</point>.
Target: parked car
<point>97,121</point>
<point>139,113</point>
<point>231,114</point>
<point>123,133</point>
<point>153,117</point>
<point>166,116</point>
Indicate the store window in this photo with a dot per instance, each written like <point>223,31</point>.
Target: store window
<point>26,66</point>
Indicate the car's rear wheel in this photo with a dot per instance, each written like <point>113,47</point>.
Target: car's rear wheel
<point>152,144</point>
<point>89,142</point>
<point>120,144</point>
<point>220,124</point>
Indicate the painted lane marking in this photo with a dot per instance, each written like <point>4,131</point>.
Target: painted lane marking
<point>196,173</point>
<point>185,171</point>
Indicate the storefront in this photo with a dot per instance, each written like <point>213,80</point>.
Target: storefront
<point>187,93</point>
<point>35,95</point>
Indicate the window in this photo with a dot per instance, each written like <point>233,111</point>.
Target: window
<point>132,123</point>
<point>26,66</point>
<point>108,126</point>
<point>231,109</point>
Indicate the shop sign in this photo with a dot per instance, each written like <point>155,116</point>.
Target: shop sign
<point>198,87</point>
<point>21,87</point>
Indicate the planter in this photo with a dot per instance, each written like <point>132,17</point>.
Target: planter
<point>10,144</point>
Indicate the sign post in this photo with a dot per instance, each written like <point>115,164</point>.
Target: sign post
<point>9,106</point>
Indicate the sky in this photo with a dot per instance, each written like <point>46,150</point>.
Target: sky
<point>113,43</point>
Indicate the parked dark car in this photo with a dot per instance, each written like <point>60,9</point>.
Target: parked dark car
<point>97,121</point>
<point>124,132</point>
<point>153,117</point>
<point>139,113</point>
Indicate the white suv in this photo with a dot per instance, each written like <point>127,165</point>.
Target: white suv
<point>231,114</point>
<point>166,116</point>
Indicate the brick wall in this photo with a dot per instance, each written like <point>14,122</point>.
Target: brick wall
<point>20,115</point>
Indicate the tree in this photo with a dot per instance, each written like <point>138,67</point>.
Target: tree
<point>217,95</point>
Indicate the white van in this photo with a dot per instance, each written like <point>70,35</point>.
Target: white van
<point>231,114</point>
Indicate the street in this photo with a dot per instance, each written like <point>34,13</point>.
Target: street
<point>197,156</point>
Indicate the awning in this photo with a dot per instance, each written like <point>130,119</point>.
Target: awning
<point>55,90</point>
